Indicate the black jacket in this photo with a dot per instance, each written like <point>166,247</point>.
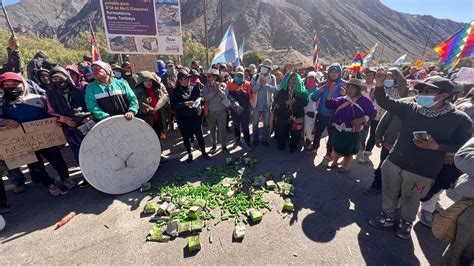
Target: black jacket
<point>179,96</point>
<point>284,111</point>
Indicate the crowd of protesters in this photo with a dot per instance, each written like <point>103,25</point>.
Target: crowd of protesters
<point>419,129</point>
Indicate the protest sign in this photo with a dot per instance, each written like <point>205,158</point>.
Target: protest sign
<point>143,63</point>
<point>465,75</point>
<point>15,149</point>
<point>44,133</point>
<point>117,156</point>
<point>143,27</point>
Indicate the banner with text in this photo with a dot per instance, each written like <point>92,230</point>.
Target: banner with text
<point>143,27</point>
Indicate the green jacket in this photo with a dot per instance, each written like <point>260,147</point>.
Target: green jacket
<point>142,96</point>
<point>115,99</point>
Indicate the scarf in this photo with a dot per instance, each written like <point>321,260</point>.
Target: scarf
<point>448,107</point>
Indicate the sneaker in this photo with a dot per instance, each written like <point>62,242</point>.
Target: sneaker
<point>246,146</point>
<point>237,143</point>
<point>383,220</point>
<point>426,218</point>
<point>83,183</point>
<point>54,190</point>
<point>69,184</point>
<point>372,190</point>
<point>213,149</point>
<point>19,189</point>
<point>5,208</point>
<point>404,229</point>
<point>190,158</point>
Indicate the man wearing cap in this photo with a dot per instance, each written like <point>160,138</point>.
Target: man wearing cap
<point>185,101</point>
<point>127,74</point>
<point>263,87</point>
<point>215,93</point>
<point>241,91</point>
<point>19,105</point>
<point>430,128</point>
<point>196,65</point>
<point>107,96</point>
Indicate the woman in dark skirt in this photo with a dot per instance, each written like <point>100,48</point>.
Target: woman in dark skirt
<point>290,102</point>
<point>351,113</point>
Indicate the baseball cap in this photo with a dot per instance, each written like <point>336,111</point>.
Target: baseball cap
<point>437,82</point>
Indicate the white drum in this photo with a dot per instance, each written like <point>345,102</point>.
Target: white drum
<point>117,156</point>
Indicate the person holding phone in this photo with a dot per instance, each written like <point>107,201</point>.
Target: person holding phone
<point>410,169</point>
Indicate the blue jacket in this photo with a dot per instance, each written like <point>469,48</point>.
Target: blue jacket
<point>321,97</point>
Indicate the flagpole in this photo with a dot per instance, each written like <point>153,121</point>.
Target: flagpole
<point>222,20</point>
<point>7,18</point>
<point>205,34</point>
<point>428,39</point>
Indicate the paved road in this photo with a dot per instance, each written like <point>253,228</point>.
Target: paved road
<point>329,225</point>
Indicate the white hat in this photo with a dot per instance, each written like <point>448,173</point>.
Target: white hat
<point>104,66</point>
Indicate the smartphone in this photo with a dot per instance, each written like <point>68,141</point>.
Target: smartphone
<point>421,135</point>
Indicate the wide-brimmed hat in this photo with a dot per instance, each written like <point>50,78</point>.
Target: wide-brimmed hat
<point>267,63</point>
<point>213,71</point>
<point>356,82</point>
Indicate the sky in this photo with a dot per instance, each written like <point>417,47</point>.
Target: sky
<point>457,10</point>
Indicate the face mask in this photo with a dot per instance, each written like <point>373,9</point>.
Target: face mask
<point>61,85</point>
<point>311,84</point>
<point>239,80</point>
<point>128,73</point>
<point>118,75</point>
<point>388,83</point>
<point>425,100</point>
<point>264,71</point>
<point>12,94</point>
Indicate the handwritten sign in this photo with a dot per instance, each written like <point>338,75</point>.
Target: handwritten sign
<point>143,63</point>
<point>44,133</point>
<point>15,149</point>
<point>465,75</point>
<point>117,156</point>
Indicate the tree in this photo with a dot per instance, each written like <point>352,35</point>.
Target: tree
<point>254,57</point>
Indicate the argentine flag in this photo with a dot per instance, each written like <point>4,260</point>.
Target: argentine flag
<point>228,50</point>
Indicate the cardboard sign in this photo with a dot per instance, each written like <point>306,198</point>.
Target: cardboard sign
<point>143,63</point>
<point>465,75</point>
<point>117,156</point>
<point>44,133</point>
<point>15,149</point>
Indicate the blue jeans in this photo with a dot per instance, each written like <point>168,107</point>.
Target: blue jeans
<point>266,124</point>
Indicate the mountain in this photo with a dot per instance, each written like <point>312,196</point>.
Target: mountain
<point>41,17</point>
<point>342,26</point>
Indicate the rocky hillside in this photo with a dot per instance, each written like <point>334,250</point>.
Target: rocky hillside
<point>343,26</point>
